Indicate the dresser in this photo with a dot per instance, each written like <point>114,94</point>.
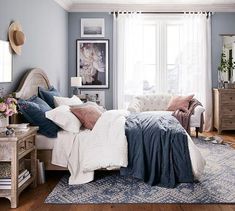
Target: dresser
<point>12,150</point>
<point>224,109</point>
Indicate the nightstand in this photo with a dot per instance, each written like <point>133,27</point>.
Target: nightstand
<point>12,150</point>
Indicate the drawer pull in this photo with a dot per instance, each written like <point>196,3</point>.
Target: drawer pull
<point>31,142</point>
<point>231,98</point>
<point>22,147</point>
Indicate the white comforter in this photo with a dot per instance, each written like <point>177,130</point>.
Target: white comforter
<point>103,147</point>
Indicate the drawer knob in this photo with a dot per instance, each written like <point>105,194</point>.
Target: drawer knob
<point>22,148</point>
<point>231,98</point>
<point>32,142</point>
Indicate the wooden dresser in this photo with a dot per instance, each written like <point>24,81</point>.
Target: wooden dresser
<point>224,109</point>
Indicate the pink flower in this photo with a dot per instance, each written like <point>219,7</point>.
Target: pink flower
<point>9,112</point>
<point>11,100</point>
<point>3,107</point>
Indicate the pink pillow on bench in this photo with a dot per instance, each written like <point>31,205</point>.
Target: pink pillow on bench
<point>179,102</point>
<point>88,115</point>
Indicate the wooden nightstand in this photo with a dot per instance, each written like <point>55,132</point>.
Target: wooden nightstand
<point>12,149</point>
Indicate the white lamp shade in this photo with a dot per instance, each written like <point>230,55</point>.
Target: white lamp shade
<point>76,81</point>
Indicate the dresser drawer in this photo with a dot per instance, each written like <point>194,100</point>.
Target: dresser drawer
<point>228,123</point>
<point>228,110</point>
<point>228,98</point>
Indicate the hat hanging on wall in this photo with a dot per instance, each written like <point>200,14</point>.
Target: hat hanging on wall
<point>16,37</point>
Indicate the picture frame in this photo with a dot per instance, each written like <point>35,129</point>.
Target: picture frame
<point>92,27</point>
<point>93,63</point>
<point>96,96</point>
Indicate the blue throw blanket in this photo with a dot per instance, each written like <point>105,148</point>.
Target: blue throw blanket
<point>157,150</point>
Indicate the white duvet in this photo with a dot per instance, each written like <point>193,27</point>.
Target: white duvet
<point>103,147</point>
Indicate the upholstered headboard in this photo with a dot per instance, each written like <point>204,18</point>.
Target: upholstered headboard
<point>29,87</point>
<point>30,83</point>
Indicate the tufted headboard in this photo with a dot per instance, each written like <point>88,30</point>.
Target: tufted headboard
<point>30,83</point>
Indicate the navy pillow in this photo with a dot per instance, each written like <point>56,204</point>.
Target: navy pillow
<point>48,95</point>
<point>34,110</point>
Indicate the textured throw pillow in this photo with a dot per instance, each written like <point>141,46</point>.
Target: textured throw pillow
<point>64,118</point>
<point>33,111</point>
<point>179,102</point>
<point>100,108</point>
<point>48,95</point>
<point>73,101</point>
<point>88,115</point>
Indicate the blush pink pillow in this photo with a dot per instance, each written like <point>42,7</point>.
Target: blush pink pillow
<point>88,115</point>
<point>179,102</point>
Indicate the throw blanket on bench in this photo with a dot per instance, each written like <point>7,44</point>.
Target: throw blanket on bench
<point>157,150</point>
<point>183,116</point>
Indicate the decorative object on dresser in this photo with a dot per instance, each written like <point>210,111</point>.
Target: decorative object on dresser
<point>224,109</point>
<point>76,82</point>
<point>13,149</point>
<point>226,74</point>
<point>93,63</point>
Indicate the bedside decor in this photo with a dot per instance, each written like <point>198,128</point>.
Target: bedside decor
<point>92,27</point>
<point>7,109</point>
<point>92,63</point>
<point>76,82</point>
<point>16,37</point>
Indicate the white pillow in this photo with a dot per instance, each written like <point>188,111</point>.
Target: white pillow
<point>64,118</point>
<point>58,101</point>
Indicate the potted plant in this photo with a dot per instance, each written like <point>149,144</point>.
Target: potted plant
<point>225,68</point>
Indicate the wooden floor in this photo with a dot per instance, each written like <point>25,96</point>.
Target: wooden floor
<point>33,199</point>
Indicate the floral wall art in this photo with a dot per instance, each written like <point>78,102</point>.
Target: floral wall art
<point>92,63</point>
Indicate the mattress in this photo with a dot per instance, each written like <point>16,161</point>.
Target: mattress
<point>43,142</point>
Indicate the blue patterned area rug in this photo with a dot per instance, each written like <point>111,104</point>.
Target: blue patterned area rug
<point>217,185</point>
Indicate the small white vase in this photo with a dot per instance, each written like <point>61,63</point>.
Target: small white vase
<point>4,121</point>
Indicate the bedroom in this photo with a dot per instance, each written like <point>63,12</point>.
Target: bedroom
<point>56,34</point>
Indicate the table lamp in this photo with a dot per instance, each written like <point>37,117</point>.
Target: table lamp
<point>76,82</point>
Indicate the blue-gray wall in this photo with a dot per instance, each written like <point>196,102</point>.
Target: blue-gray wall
<point>45,25</point>
<point>222,23</point>
<point>74,33</point>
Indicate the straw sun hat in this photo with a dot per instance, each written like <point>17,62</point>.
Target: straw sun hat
<point>16,37</point>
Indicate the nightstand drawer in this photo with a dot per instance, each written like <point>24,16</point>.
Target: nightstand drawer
<point>29,141</point>
<point>21,147</point>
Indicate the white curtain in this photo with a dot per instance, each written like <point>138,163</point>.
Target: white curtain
<point>194,59</point>
<point>127,58</point>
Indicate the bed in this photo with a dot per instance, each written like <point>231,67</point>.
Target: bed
<point>102,136</point>
<point>27,88</point>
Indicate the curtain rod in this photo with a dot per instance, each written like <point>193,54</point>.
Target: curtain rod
<point>129,12</point>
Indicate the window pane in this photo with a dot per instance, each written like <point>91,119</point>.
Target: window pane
<point>149,47</point>
<point>149,79</point>
<point>173,43</point>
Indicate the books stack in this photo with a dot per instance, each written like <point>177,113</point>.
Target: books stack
<point>24,176</point>
<point>20,128</point>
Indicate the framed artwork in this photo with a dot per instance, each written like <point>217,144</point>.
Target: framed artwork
<point>92,27</point>
<point>93,63</point>
<point>94,96</point>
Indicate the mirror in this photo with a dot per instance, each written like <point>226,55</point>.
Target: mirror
<point>5,62</point>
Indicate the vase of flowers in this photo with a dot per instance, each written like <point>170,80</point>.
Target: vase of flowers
<point>8,107</point>
<point>226,68</point>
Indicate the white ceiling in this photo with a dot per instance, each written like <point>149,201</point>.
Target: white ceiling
<point>145,5</point>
